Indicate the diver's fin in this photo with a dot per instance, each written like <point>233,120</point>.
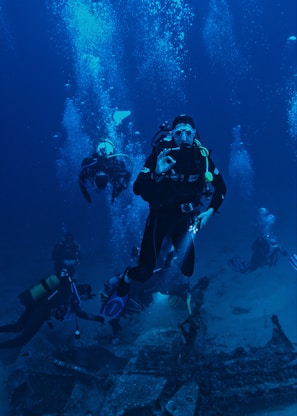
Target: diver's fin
<point>293,261</point>
<point>114,306</point>
<point>119,116</point>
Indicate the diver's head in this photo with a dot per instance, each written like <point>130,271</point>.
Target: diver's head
<point>183,130</point>
<point>105,148</point>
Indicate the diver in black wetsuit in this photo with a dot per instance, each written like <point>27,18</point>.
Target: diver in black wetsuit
<point>104,167</point>
<point>172,181</point>
<point>54,297</point>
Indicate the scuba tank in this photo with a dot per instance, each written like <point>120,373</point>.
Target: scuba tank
<point>45,287</point>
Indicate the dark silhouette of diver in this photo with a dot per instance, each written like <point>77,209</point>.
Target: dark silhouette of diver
<point>265,248</point>
<point>103,167</point>
<point>55,296</point>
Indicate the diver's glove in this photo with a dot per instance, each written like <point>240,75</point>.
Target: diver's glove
<point>164,162</point>
<point>203,217</point>
<point>201,220</point>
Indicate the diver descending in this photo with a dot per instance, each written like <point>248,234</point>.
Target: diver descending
<point>103,167</point>
<point>173,182</point>
<point>265,248</point>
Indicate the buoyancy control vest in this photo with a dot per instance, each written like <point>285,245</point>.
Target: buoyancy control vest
<point>161,136</point>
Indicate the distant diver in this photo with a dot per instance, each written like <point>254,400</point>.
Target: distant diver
<point>265,248</point>
<point>55,296</point>
<point>103,167</point>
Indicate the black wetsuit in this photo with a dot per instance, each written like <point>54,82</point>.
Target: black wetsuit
<point>57,305</point>
<point>174,199</point>
<point>99,170</point>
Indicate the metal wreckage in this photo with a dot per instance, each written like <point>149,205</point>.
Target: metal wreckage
<point>172,372</point>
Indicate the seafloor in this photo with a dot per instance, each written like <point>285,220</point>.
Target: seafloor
<point>243,360</point>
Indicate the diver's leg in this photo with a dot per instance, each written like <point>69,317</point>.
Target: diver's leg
<point>34,320</point>
<point>183,243</point>
<point>114,307</point>
<point>154,234</point>
<point>17,326</point>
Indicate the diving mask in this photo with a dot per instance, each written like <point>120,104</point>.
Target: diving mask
<point>183,134</point>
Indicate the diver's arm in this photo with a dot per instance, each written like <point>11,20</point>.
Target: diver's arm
<point>150,185</point>
<point>87,316</point>
<point>219,188</point>
<point>217,197</point>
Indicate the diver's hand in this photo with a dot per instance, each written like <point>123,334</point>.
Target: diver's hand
<point>164,162</point>
<point>204,217</point>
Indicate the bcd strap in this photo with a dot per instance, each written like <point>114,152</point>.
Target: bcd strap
<point>205,153</point>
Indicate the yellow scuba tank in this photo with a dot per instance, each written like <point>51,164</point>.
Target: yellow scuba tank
<point>45,287</point>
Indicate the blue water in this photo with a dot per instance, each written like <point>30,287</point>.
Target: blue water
<point>67,65</point>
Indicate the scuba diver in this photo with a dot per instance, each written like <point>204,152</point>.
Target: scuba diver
<point>265,252</point>
<point>55,296</point>
<point>173,182</point>
<point>66,254</point>
<point>265,248</point>
<point>103,167</point>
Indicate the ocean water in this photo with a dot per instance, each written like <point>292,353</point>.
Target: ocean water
<point>68,65</point>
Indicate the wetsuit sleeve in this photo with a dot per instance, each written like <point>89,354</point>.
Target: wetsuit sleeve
<point>147,183</point>
<point>219,187</point>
